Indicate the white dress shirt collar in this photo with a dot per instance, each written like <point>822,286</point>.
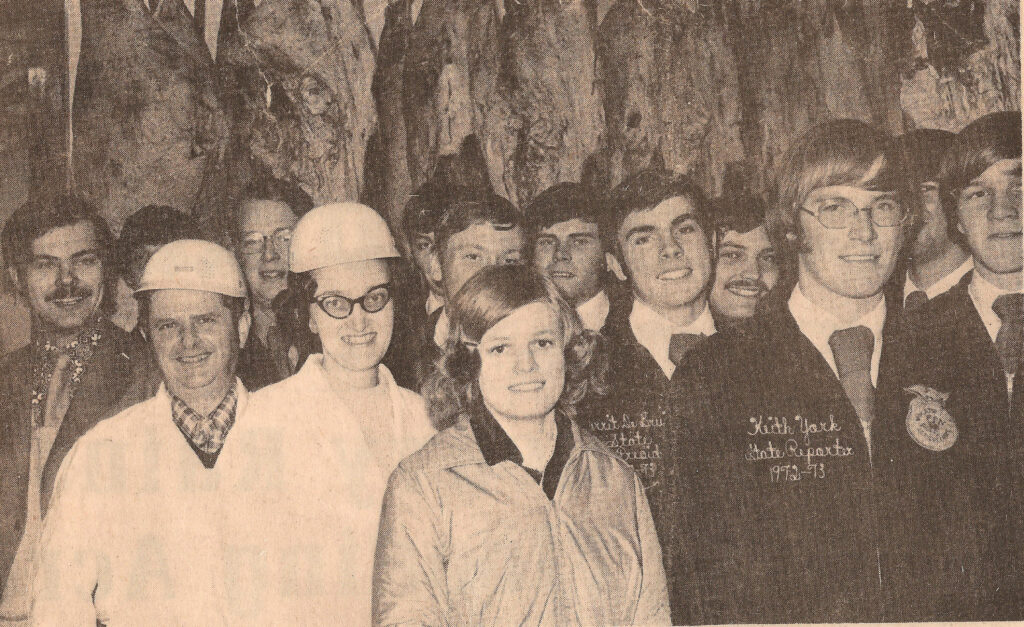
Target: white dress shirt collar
<point>654,332</point>
<point>594,312</point>
<point>941,286</point>
<point>434,302</point>
<point>441,329</point>
<point>819,324</point>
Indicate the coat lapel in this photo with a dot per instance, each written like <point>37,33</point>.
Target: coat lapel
<point>105,376</point>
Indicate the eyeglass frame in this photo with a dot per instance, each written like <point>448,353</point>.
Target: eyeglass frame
<point>319,301</point>
<point>263,240</point>
<point>869,209</point>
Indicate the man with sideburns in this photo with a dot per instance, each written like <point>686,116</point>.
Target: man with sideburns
<point>58,254</point>
<point>773,511</point>
<point>746,265</point>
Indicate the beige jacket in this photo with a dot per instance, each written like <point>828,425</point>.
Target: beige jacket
<point>465,543</point>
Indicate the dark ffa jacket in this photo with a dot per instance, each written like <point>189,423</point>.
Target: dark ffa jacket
<point>957,525</point>
<point>98,396</point>
<point>630,420</point>
<point>770,503</point>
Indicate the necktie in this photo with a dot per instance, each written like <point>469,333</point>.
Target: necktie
<point>914,300</point>
<point>1009,340</point>
<point>681,343</point>
<point>852,350</point>
<point>57,398</point>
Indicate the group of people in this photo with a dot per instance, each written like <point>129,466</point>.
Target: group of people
<point>630,406</point>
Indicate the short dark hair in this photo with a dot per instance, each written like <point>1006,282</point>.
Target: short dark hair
<point>153,225</point>
<point>424,209</point>
<point>739,211</point>
<point>840,152</point>
<point>39,216</point>
<point>923,150</point>
<point>647,189</point>
<point>265,187</point>
<point>982,143</point>
<point>563,202</point>
<point>466,207</point>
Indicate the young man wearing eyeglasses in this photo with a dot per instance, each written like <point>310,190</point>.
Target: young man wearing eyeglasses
<point>772,512</point>
<point>265,219</point>
<point>956,434</point>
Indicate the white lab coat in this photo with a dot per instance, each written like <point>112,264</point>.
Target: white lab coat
<point>342,490</point>
<point>161,539</point>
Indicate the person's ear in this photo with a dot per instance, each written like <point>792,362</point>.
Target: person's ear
<point>244,323</point>
<point>615,266</point>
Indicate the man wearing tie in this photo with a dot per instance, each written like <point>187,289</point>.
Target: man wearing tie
<point>771,512</point>
<point>68,378</point>
<point>957,449</point>
<point>664,239</point>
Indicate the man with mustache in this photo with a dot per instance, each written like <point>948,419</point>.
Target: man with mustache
<point>663,239</point>
<point>957,450</point>
<point>68,378</point>
<point>568,247</point>
<point>268,212</point>
<point>773,511</point>
<point>746,268</point>
<point>936,258</point>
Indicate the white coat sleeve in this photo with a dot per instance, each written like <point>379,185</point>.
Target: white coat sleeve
<point>68,566</point>
<point>652,607</point>
<point>409,579</point>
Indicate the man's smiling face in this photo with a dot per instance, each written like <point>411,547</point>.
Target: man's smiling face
<point>667,254</point>
<point>854,261</point>
<point>571,254</point>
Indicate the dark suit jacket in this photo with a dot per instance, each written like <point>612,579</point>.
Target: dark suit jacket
<point>631,418</point>
<point>957,521</point>
<point>106,378</point>
<point>770,501</point>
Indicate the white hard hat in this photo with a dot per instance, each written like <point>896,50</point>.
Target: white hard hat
<point>193,264</point>
<point>339,233</point>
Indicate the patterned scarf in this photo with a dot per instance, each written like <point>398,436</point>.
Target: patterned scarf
<point>46,351</point>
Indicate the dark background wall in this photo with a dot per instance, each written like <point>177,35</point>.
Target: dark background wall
<point>361,100</point>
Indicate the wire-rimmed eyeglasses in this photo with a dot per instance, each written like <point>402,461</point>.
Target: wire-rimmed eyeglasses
<point>838,213</point>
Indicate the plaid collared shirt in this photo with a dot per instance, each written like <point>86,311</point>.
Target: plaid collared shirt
<point>206,434</point>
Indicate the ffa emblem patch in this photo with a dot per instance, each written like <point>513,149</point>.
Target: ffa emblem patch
<point>928,422</point>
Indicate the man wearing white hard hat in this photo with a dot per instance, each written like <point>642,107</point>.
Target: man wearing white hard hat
<point>155,517</point>
<point>352,422</point>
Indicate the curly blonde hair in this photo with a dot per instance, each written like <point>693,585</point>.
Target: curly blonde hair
<point>491,295</point>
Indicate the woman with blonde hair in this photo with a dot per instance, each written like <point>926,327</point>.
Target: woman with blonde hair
<point>514,514</point>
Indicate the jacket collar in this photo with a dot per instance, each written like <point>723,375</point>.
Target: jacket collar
<point>463,448</point>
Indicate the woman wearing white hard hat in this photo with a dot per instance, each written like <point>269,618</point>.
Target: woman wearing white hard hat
<point>352,423</point>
